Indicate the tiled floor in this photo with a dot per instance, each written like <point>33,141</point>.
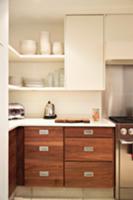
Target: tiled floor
<point>19,198</point>
<point>40,193</point>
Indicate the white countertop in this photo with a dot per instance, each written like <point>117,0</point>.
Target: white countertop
<point>44,122</point>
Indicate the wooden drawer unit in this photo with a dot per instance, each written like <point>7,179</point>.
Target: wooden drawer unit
<point>43,156</point>
<point>89,174</point>
<point>89,132</point>
<point>40,173</point>
<point>89,149</point>
<point>41,133</point>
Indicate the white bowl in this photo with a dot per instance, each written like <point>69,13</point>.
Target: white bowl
<point>28,47</point>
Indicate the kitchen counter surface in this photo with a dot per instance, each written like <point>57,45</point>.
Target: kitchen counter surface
<point>43,122</point>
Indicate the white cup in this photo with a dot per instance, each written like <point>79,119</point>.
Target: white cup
<point>57,48</point>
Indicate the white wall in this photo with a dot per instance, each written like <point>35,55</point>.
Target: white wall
<point>66,103</point>
<point>74,103</point>
<point>4,100</point>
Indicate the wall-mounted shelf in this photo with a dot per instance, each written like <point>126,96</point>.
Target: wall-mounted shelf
<point>15,56</point>
<point>19,88</point>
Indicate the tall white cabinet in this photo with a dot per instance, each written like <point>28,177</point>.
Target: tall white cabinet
<point>4,99</point>
<point>84,60</point>
<point>119,37</point>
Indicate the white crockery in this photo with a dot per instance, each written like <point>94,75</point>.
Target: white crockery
<point>57,48</point>
<point>45,45</point>
<point>28,47</point>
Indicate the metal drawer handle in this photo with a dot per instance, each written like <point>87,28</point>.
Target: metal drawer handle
<point>88,132</point>
<point>88,174</point>
<point>126,142</point>
<point>43,132</point>
<point>44,173</point>
<point>88,149</point>
<point>43,148</point>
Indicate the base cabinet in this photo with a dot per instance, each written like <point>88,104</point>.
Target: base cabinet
<point>43,156</point>
<point>12,161</point>
<point>16,159</point>
<point>61,157</point>
<point>89,157</point>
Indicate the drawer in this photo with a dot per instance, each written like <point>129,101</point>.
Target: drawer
<point>41,133</point>
<point>89,132</point>
<point>92,149</point>
<point>92,174</point>
<point>40,173</point>
<point>48,150</point>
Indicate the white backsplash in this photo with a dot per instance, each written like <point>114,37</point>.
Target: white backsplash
<point>66,103</point>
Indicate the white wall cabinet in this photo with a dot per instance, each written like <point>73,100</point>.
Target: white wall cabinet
<point>119,37</point>
<point>84,62</point>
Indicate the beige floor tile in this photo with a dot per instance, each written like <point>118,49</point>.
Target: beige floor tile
<point>56,192</point>
<point>57,199</point>
<point>97,194</point>
<point>21,198</point>
<point>22,191</point>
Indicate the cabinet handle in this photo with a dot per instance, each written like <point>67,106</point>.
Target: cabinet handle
<point>43,148</point>
<point>43,132</point>
<point>88,174</point>
<point>44,173</point>
<point>88,132</point>
<point>88,149</point>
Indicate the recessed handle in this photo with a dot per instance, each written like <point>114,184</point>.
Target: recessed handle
<point>88,174</point>
<point>88,132</point>
<point>43,148</point>
<point>88,149</point>
<point>43,132</point>
<point>44,173</point>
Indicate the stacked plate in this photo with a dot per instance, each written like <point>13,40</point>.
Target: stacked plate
<point>31,82</point>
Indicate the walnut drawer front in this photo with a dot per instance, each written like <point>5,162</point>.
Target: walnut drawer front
<point>89,174</point>
<point>40,173</point>
<point>41,133</point>
<point>47,150</point>
<point>92,149</point>
<point>89,132</point>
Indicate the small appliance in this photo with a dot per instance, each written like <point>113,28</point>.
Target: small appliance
<point>16,111</point>
<point>49,112</point>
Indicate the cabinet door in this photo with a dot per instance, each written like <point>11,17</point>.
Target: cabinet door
<point>12,161</point>
<point>119,37</point>
<point>84,64</point>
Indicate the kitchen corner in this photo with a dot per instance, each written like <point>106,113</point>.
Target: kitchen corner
<point>66,96</point>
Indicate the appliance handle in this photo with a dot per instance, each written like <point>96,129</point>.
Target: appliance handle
<point>126,142</point>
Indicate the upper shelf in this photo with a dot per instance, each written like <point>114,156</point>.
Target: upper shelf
<point>15,56</point>
<point>19,88</point>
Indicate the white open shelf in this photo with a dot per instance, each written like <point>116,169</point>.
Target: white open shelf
<point>15,56</point>
<point>21,88</point>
